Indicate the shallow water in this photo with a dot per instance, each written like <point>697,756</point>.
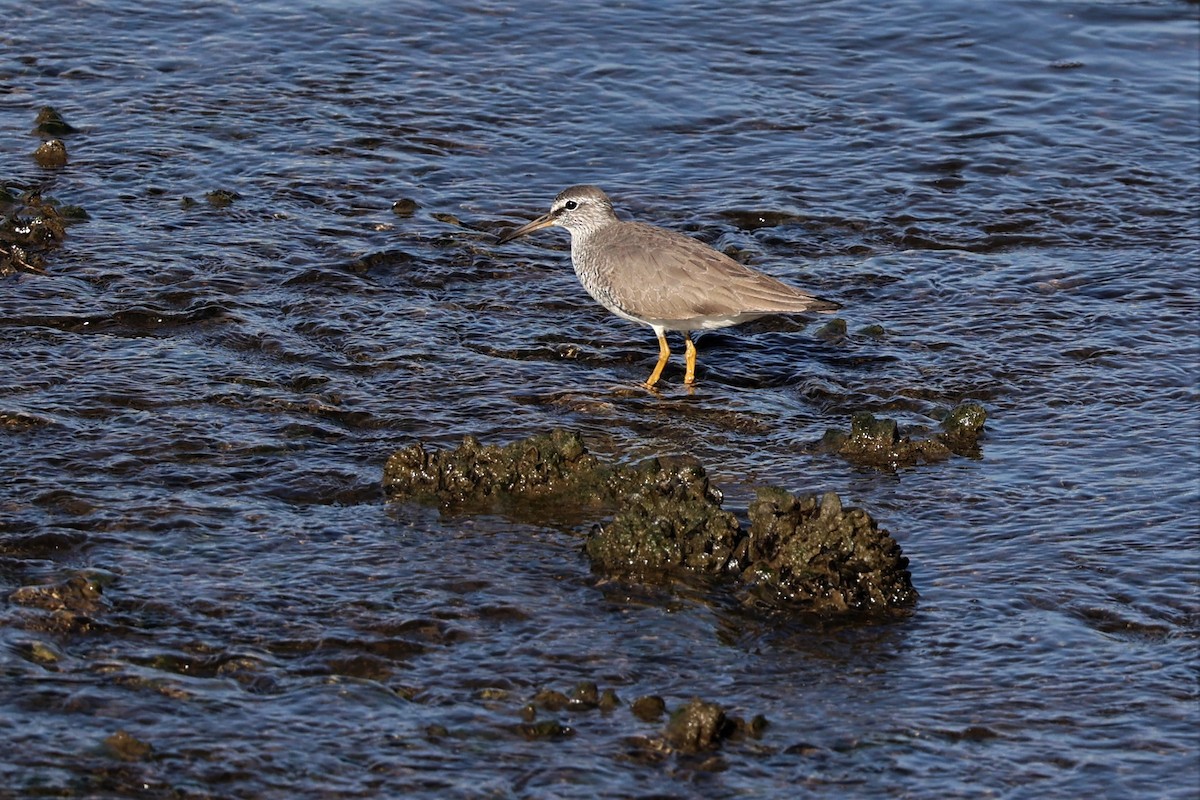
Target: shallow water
<point>198,400</point>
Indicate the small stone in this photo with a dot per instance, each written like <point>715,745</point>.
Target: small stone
<point>551,700</point>
<point>832,331</point>
<point>404,207</point>
<point>697,726</point>
<point>126,747</point>
<point>609,700</point>
<point>584,696</point>
<point>50,123</point>
<point>222,198</point>
<point>546,729</point>
<point>649,708</point>
<point>51,154</point>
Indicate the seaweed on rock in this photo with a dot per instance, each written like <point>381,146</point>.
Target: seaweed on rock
<point>809,553</point>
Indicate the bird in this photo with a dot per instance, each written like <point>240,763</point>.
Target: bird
<point>662,278</point>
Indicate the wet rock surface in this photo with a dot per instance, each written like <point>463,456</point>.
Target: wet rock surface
<point>668,518</point>
<point>125,746</point>
<point>822,556</point>
<point>553,467</point>
<point>81,593</point>
<point>50,123</point>
<point>878,442</point>
<point>68,605</point>
<point>51,154</point>
<point>30,228</point>
<point>813,555</point>
<point>694,727</point>
<point>698,726</point>
<point>32,225</point>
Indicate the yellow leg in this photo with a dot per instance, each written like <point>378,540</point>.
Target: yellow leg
<point>690,376</point>
<point>664,353</point>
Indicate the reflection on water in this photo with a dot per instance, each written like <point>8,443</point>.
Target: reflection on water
<point>198,398</point>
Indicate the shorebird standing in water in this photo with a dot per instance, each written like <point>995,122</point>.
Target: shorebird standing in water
<point>661,278</point>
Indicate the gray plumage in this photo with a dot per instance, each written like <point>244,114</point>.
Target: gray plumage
<point>661,278</point>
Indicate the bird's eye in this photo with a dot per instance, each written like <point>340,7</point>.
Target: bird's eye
<point>570,205</point>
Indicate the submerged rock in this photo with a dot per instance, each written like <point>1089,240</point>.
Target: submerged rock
<point>649,708</point>
<point>222,198</point>
<point>878,442</point>
<point>81,593</point>
<point>127,747</point>
<point>51,123</point>
<point>404,207</point>
<point>808,553</point>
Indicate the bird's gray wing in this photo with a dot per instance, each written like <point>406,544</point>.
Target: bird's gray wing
<point>660,274</point>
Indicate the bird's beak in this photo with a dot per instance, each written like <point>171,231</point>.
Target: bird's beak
<point>544,221</point>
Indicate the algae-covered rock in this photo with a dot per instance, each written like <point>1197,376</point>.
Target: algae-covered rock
<point>51,123</point>
<point>536,467</point>
<point>545,729</point>
<point>962,427</point>
<point>878,442</point>
<point>669,518</point>
<point>127,747</point>
<point>30,228</point>
<point>51,154</point>
<point>822,556</point>
<point>649,708</point>
<point>81,593</point>
<point>698,726</point>
<point>832,331</point>
<point>222,198</point>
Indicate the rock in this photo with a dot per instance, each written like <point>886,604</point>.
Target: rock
<point>670,518</point>
<point>808,554</point>
<point>539,467</point>
<point>649,708</point>
<point>832,331</point>
<point>51,154</point>
<point>80,594</point>
<point>584,697</point>
<point>545,729</point>
<point>697,726</point>
<point>50,123</point>
<point>878,442</point>
<point>963,426</point>
<point>551,700</point>
<point>823,557</point>
<point>608,701</point>
<point>222,198</point>
<point>30,229</point>
<point>404,207</point>
<point>126,747</point>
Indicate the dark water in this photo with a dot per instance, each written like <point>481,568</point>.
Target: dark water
<point>198,400</point>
